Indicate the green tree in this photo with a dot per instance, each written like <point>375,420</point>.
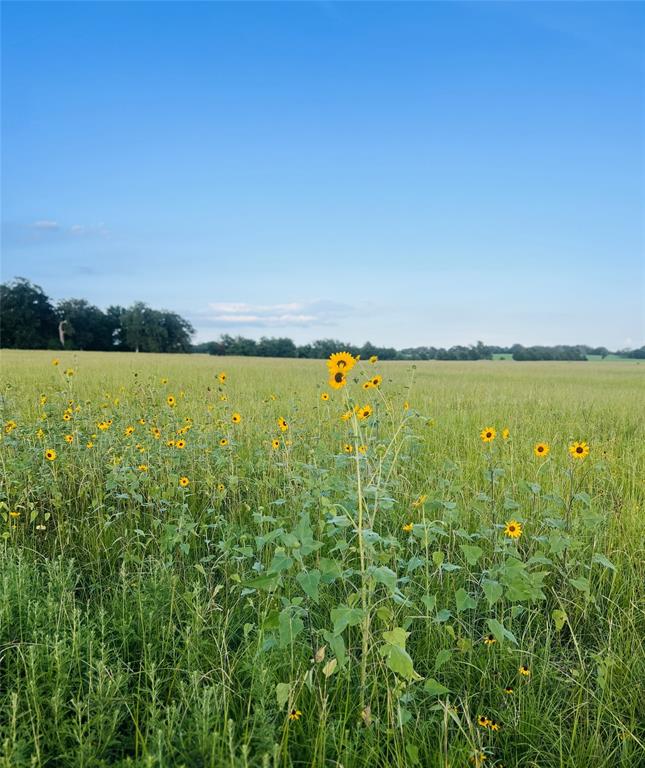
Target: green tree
<point>27,317</point>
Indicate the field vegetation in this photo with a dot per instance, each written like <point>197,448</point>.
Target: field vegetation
<point>254,562</point>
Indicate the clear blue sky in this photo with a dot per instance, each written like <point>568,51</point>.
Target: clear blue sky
<point>404,173</point>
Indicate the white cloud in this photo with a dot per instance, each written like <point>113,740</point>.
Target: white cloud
<point>300,314</point>
<point>45,224</point>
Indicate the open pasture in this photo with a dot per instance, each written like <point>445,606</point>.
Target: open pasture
<point>255,569</point>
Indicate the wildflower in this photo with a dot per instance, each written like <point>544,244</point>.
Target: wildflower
<point>337,380</point>
<point>180,444</point>
<point>365,412</point>
<point>43,399</point>
<point>541,449</point>
<point>406,406</point>
<point>142,422</point>
<point>408,527</point>
<point>171,401</point>
<point>373,359</point>
<point>142,467</point>
<point>494,725</point>
<point>508,690</point>
<point>10,426</point>
<point>69,439</point>
<point>376,381</point>
<point>348,448</point>
<point>89,444</point>
<point>420,500</point>
<point>513,529</point>
<point>40,434</point>
<point>506,433</point>
<point>128,431</point>
<point>579,450</point>
<point>221,487</point>
<point>14,514</point>
<point>55,361</point>
<point>282,423</point>
<point>368,384</point>
<point>69,372</point>
<point>156,433</point>
<point>184,481</point>
<point>221,377</point>
<point>346,416</point>
<point>488,435</point>
<point>483,721</point>
<point>362,449</point>
<point>275,444</point>
<point>223,398</point>
<point>524,671</point>
<point>490,639</point>
<point>170,443</point>
<point>477,758</point>
<point>341,361</point>
<point>223,442</point>
<point>164,380</point>
<point>324,397</point>
<point>50,454</point>
<point>236,418</point>
<point>295,714</point>
<point>67,416</point>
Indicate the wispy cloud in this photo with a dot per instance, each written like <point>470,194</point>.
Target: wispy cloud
<point>301,314</point>
<point>45,225</point>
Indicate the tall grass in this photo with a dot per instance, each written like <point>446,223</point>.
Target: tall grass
<point>142,623</point>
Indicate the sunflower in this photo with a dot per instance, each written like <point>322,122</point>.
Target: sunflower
<point>408,527</point>
<point>184,481</point>
<point>14,514</point>
<point>164,380</point>
<point>579,450</point>
<point>142,467</point>
<point>420,500</point>
<point>337,380</point>
<point>170,443</point>
<point>513,529</point>
<point>368,384</point>
<point>376,381</point>
<point>142,422</point>
<point>524,671</point>
<point>509,690</point>
<point>221,377</point>
<point>373,359</point>
<point>50,454</point>
<point>490,639</point>
<point>40,434</point>
<point>223,398</point>
<point>324,397</point>
<point>69,439</point>
<point>362,449</point>
<point>69,372</point>
<point>506,433</point>
<point>128,431</point>
<point>295,714</point>
<point>341,361</point>
<point>494,725</point>
<point>156,433</point>
<point>406,406</point>
<point>223,442</point>
<point>43,399</point>
<point>282,423</point>
<point>541,449</point>
<point>346,416</point>
<point>67,416</point>
<point>365,412</point>
<point>348,448</point>
<point>180,444</point>
<point>236,418</point>
<point>275,444</point>
<point>488,435</point>
<point>221,487</point>
<point>171,401</point>
<point>90,444</point>
<point>55,361</point>
<point>483,721</point>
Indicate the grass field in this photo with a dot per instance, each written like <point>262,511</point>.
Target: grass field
<point>180,587</point>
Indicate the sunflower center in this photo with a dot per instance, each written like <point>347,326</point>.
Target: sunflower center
<point>338,377</point>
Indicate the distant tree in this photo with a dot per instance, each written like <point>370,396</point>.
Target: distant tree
<point>27,317</point>
<point>86,326</point>
<point>276,347</point>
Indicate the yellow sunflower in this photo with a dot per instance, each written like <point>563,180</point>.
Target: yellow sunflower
<point>579,450</point>
<point>324,397</point>
<point>171,401</point>
<point>282,423</point>
<point>373,359</point>
<point>223,442</point>
<point>337,380</point>
<point>236,418</point>
<point>295,714</point>
<point>184,481</point>
<point>365,412</point>
<point>488,435</point>
<point>513,529</point>
<point>368,384</point>
<point>506,433</point>
<point>221,377</point>
<point>275,444</point>
<point>50,454</point>
<point>69,439</point>
<point>408,527</point>
<point>376,381</point>
<point>348,448</point>
<point>341,361</point>
<point>541,449</point>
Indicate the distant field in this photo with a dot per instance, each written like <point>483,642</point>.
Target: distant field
<point>228,573</point>
<point>590,358</point>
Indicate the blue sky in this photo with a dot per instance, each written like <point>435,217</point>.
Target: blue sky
<point>406,173</point>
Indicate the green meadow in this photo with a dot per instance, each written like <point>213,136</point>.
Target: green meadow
<point>220,570</point>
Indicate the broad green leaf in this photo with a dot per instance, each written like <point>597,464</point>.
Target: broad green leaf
<point>442,657</point>
<point>435,688</point>
<point>581,584</point>
<point>343,617</point>
<point>559,618</point>
<point>471,552</point>
<point>289,627</point>
<point>493,590</point>
<point>396,636</point>
<point>602,560</point>
<point>282,691</point>
<point>309,581</point>
<point>386,576</point>
<point>399,661</point>
<point>267,581</point>
<point>500,632</point>
<point>464,601</point>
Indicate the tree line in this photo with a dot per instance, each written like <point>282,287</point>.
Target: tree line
<point>30,320</point>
